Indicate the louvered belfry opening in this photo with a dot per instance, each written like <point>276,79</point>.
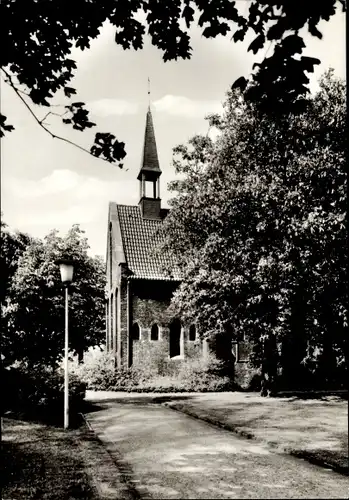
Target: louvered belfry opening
<point>149,174</point>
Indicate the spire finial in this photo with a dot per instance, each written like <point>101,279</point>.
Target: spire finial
<point>148,92</point>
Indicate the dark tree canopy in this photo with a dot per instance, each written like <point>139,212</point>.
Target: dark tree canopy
<point>257,227</point>
<point>39,34</point>
<point>13,245</point>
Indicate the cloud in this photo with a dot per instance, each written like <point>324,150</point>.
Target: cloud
<point>111,107</point>
<point>66,217</point>
<point>58,181</point>
<point>67,182</point>
<point>65,197</point>
<point>183,106</point>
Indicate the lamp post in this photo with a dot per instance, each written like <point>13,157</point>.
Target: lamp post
<point>66,269</point>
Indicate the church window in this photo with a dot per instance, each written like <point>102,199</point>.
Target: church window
<point>135,332</point>
<point>111,322</point>
<point>154,333</point>
<point>192,333</point>
<point>110,254</point>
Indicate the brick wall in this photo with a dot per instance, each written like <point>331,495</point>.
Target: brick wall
<point>150,208</point>
<point>151,303</point>
<point>123,352</point>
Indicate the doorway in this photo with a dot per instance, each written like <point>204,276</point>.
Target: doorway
<point>175,338</point>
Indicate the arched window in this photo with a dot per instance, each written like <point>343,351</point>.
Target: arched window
<point>111,322</point>
<point>110,254</point>
<point>192,333</point>
<point>135,331</point>
<point>154,333</point>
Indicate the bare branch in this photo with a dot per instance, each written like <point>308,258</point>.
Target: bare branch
<point>40,122</point>
<point>52,113</point>
<point>23,91</point>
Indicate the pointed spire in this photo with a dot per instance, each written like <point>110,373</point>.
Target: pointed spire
<point>150,162</point>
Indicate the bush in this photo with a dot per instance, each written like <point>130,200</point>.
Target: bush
<point>99,374</point>
<point>161,374</point>
<point>29,390</point>
<point>97,371</point>
<point>204,374</point>
<point>247,377</point>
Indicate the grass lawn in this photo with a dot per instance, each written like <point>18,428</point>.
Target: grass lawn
<point>315,429</point>
<point>41,461</point>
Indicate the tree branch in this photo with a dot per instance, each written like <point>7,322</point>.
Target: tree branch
<point>53,113</point>
<point>9,81</point>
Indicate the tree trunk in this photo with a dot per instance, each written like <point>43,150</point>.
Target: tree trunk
<point>80,357</point>
<point>269,367</point>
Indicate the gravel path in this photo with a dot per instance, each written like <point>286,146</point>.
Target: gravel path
<point>166,454</point>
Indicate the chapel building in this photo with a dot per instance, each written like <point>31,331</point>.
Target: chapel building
<point>140,279</point>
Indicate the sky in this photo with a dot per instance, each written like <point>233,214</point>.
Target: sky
<point>48,184</point>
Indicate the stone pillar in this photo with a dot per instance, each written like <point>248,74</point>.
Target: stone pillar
<point>144,334</point>
<point>143,186</point>
<point>181,343</point>
<point>205,348</point>
<point>106,327</point>
<point>184,341</point>
<point>109,323</point>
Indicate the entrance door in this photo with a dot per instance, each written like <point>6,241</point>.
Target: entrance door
<point>175,338</point>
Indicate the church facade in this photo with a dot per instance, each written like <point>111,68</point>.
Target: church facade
<point>139,284</point>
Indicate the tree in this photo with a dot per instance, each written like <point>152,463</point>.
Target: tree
<point>260,213</point>
<point>13,244</point>
<point>34,320</point>
<point>38,36</point>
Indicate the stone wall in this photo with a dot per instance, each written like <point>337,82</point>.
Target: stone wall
<point>151,304</point>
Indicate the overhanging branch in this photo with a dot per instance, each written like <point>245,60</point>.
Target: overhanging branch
<point>18,92</point>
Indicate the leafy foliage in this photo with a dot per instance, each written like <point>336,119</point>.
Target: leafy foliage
<point>261,218</point>
<point>13,244</point>
<point>29,390</point>
<point>33,319</point>
<point>39,36</point>
<point>98,373</point>
<point>198,375</point>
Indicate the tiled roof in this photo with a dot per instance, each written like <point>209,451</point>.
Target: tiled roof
<point>141,240</point>
<point>150,161</point>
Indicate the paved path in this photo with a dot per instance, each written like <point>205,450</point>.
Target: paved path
<point>162,453</point>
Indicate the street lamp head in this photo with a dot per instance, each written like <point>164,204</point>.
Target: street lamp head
<point>66,268</point>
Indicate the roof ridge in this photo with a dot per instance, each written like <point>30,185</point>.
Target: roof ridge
<point>125,205</point>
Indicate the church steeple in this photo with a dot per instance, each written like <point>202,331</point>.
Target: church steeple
<point>149,174</point>
<point>150,161</point>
